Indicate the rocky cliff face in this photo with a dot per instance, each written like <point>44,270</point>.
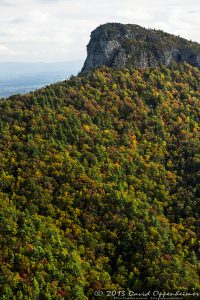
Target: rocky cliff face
<point>121,46</point>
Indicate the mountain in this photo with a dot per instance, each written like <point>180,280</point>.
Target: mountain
<point>100,185</point>
<point>21,77</point>
<point>121,46</point>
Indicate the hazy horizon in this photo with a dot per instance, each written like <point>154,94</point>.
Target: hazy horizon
<point>22,77</point>
<point>44,41</point>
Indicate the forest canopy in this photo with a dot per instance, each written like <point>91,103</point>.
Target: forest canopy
<point>100,185</point>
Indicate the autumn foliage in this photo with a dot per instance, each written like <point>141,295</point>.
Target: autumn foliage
<point>100,185</point>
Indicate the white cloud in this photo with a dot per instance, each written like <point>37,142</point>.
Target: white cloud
<point>4,51</point>
<point>52,30</point>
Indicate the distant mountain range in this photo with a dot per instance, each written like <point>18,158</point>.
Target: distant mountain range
<point>20,78</point>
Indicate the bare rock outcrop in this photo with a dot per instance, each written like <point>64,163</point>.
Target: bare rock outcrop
<point>122,46</point>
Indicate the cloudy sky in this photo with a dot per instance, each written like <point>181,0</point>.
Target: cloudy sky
<point>58,30</point>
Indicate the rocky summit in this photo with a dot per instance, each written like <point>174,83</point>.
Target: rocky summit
<point>122,46</point>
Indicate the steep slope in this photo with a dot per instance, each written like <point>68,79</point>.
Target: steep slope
<point>100,185</point>
<point>121,46</point>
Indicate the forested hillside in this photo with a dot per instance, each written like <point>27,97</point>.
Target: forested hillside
<point>100,185</point>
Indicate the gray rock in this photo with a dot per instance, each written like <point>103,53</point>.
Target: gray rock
<point>122,46</point>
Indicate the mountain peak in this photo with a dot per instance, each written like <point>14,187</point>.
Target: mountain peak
<point>124,45</point>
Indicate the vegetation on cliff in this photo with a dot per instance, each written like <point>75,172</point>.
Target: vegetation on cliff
<point>124,45</point>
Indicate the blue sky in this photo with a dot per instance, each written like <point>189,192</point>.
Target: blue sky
<point>59,30</point>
